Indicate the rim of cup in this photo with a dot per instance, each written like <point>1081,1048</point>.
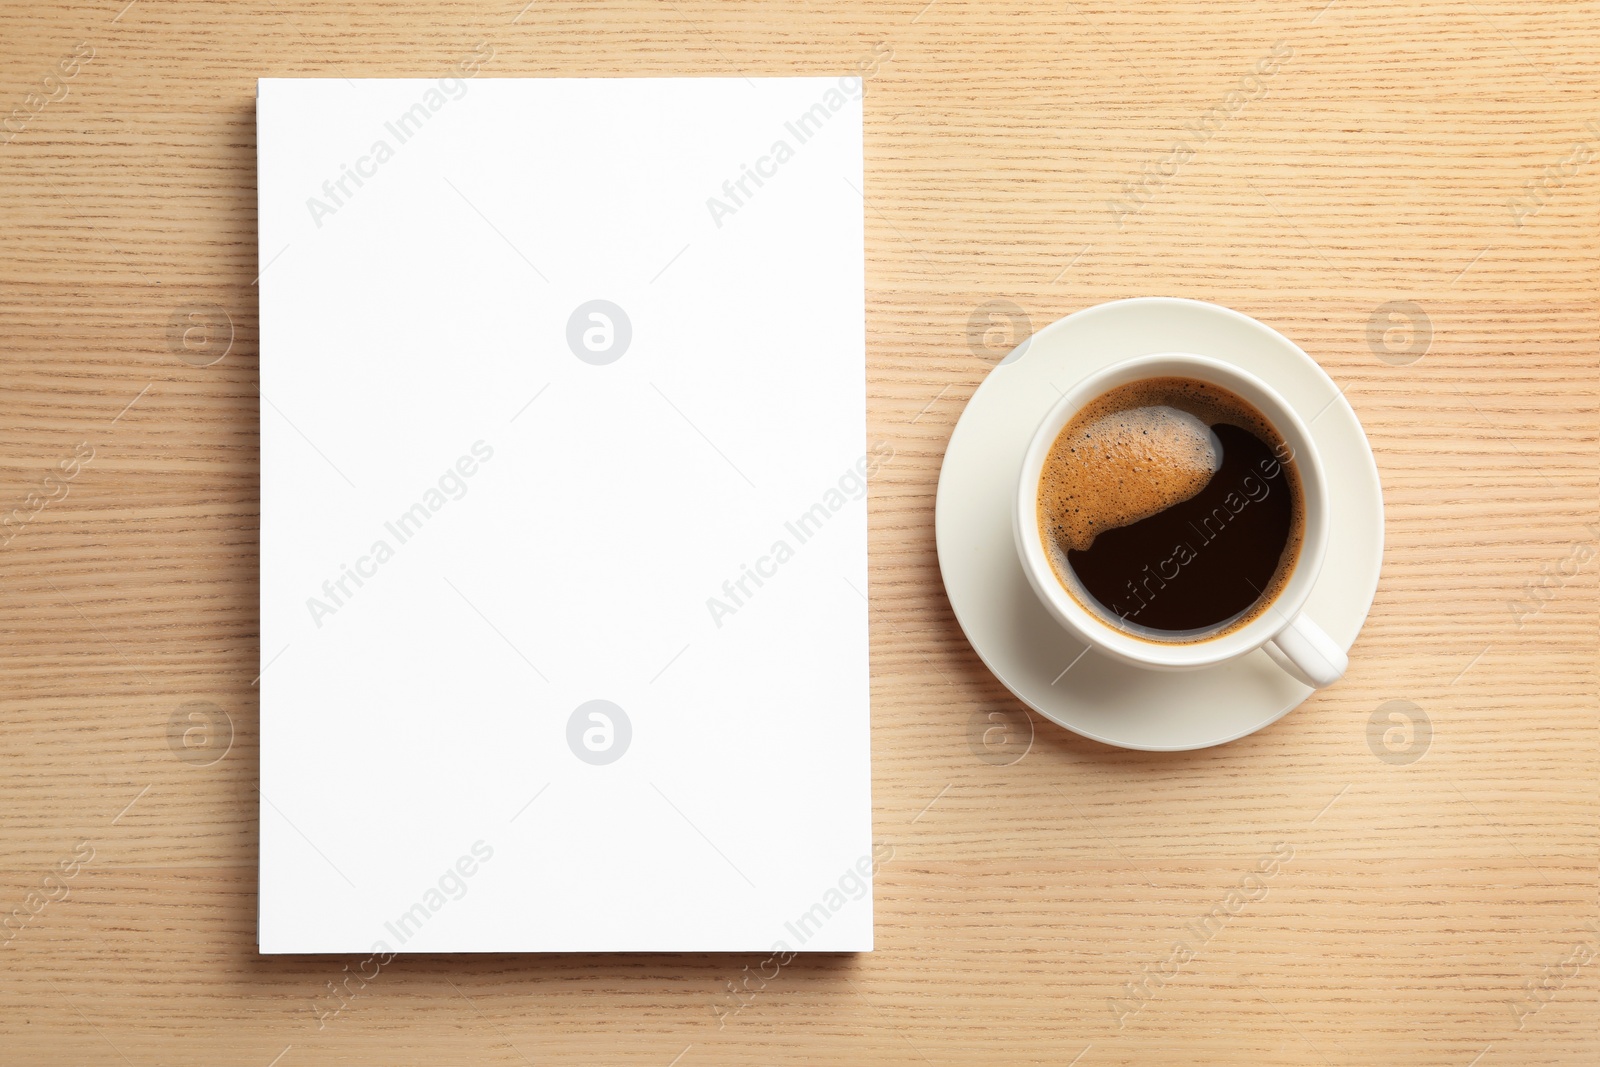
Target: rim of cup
<point>1089,626</point>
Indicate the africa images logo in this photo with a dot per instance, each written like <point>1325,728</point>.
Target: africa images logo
<point>338,591</point>
<point>337,192</point>
<point>851,485</point>
<point>737,191</point>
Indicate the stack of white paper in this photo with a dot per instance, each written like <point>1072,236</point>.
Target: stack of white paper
<point>563,532</point>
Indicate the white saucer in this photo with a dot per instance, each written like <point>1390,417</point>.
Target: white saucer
<point>1026,649</point>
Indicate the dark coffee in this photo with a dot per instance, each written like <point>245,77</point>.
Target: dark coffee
<point>1171,508</point>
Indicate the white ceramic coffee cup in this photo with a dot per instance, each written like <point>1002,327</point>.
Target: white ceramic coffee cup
<point>1294,641</point>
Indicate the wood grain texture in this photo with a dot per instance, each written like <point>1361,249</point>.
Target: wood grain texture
<point>1383,160</point>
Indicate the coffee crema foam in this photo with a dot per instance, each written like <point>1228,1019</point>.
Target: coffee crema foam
<point>1122,466</point>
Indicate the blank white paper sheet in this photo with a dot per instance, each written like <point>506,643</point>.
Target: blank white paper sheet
<point>563,516</point>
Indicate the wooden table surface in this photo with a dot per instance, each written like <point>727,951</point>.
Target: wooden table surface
<point>1406,189</point>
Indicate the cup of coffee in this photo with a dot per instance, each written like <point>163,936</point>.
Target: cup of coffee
<point>1172,513</point>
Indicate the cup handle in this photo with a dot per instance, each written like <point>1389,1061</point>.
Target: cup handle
<point>1306,651</point>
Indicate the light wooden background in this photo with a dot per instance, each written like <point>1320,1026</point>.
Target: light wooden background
<point>1030,882</point>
